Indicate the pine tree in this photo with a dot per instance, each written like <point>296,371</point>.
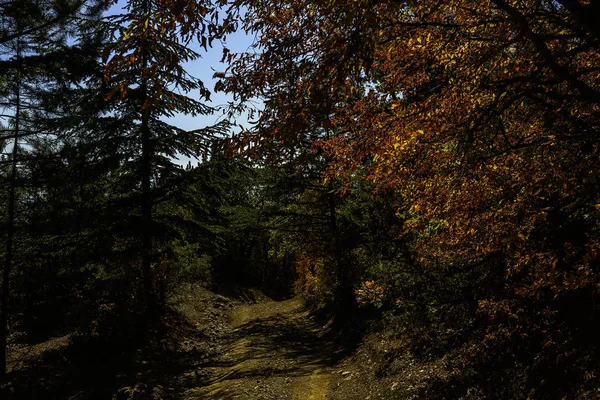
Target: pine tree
<point>150,43</point>
<point>33,42</point>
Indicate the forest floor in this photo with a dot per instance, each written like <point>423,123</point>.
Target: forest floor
<point>274,351</point>
<point>238,344</point>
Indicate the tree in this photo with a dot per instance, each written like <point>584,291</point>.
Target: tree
<point>151,42</point>
<point>481,117</point>
<point>33,35</point>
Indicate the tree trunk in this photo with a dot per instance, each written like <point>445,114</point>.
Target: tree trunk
<point>10,232</point>
<point>146,172</point>
<point>345,301</point>
<point>147,216</point>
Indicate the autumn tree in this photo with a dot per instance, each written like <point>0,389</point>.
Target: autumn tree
<point>482,118</point>
<point>284,69</point>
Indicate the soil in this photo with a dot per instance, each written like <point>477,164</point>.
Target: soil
<point>235,344</point>
<point>267,350</point>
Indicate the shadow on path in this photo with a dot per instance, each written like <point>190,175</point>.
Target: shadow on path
<point>277,352</point>
<point>209,347</point>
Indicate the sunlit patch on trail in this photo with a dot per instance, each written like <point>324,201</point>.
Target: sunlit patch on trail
<point>276,352</point>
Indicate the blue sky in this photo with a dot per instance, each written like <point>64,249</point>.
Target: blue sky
<point>204,68</point>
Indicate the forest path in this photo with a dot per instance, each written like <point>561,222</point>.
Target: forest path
<point>275,351</point>
<point>235,345</point>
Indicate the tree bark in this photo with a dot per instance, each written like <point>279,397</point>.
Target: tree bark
<point>146,172</point>
<point>10,231</point>
<point>344,291</point>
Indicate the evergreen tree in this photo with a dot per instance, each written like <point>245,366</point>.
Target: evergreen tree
<point>150,43</point>
<point>34,38</point>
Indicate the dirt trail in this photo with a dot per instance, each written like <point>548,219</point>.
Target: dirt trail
<point>234,345</point>
<point>275,351</point>
<point>239,346</point>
